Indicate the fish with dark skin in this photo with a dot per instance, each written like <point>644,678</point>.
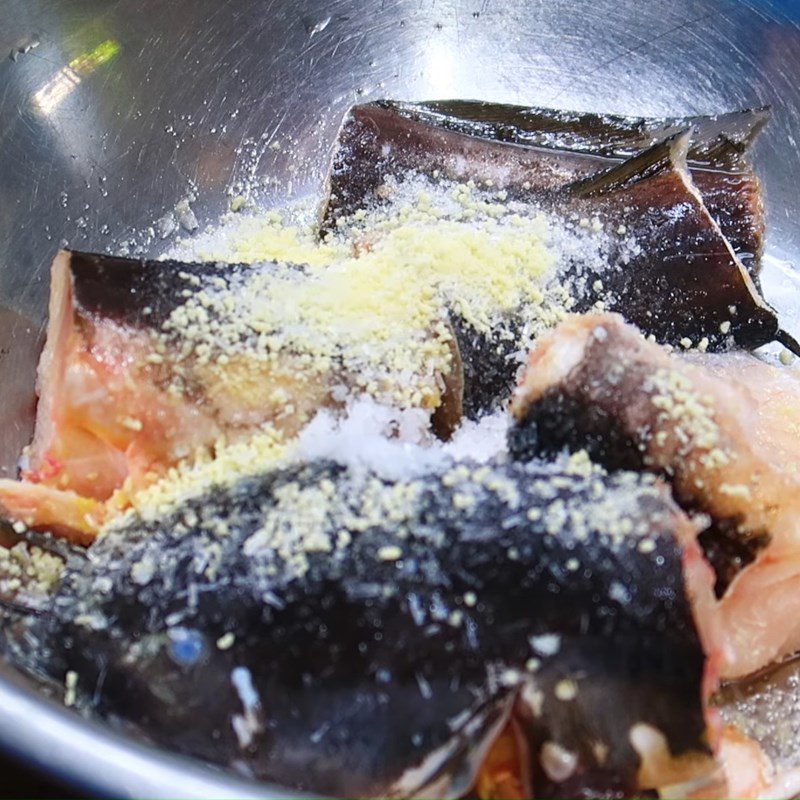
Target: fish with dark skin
<point>107,414</point>
<point>123,397</point>
<point>684,279</point>
<point>376,644</point>
<point>596,384</point>
<point>717,157</point>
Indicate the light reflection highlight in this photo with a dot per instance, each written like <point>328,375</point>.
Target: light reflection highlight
<point>53,93</point>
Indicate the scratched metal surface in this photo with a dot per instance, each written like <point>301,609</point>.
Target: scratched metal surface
<point>111,111</point>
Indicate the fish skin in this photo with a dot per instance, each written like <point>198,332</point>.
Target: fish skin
<point>359,162</point>
<point>107,308</point>
<point>369,644</point>
<point>139,292</point>
<point>488,366</point>
<point>717,155</point>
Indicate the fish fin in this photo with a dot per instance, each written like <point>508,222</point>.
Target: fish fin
<point>666,154</point>
<point>721,140</point>
<point>788,341</point>
<point>454,771</point>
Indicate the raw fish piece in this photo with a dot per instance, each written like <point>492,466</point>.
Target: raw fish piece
<point>339,632</point>
<point>127,391</point>
<point>596,383</point>
<point>429,136</point>
<point>674,271</point>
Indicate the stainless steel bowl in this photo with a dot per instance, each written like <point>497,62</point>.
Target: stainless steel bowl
<point>112,111</point>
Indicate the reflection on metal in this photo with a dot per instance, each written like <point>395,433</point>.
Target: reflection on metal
<point>53,93</point>
<point>440,65</point>
<point>63,83</point>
